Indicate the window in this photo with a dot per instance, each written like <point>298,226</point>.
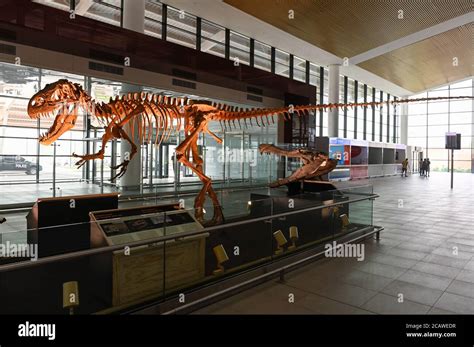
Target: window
<point>429,121</point>
<point>299,69</point>
<point>282,63</point>
<point>314,73</point>
<point>262,56</point>
<point>181,28</point>
<point>212,38</point>
<point>153,18</point>
<point>239,48</point>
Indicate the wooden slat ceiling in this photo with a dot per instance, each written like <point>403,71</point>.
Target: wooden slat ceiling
<point>347,28</point>
<point>428,63</point>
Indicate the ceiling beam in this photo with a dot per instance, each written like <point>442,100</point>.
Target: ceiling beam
<point>83,6</point>
<point>413,38</point>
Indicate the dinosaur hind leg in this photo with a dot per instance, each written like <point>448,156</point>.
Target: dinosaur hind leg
<point>182,155</point>
<point>217,217</point>
<point>123,166</point>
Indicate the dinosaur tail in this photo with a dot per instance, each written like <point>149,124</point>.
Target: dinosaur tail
<point>229,115</point>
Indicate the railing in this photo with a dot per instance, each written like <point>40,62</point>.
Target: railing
<point>149,257</point>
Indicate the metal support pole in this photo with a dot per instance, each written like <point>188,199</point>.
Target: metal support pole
<point>452,167</point>
<point>151,164</point>
<point>242,155</point>
<point>54,170</point>
<point>102,177</point>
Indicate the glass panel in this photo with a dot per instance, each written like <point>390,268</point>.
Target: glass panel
<point>299,69</point>
<point>107,11</point>
<point>153,18</point>
<point>263,56</point>
<point>239,48</point>
<point>181,27</point>
<point>282,63</point>
<point>212,38</point>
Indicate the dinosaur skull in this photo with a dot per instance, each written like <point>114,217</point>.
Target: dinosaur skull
<point>60,100</point>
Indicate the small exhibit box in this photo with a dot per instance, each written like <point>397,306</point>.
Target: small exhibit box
<point>60,225</point>
<point>142,272</point>
<point>453,141</point>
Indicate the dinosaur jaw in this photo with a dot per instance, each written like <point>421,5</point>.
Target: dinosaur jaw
<point>63,122</point>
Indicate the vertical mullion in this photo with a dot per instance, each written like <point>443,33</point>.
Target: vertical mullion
<point>307,73</point>
<point>291,67</point>
<point>381,118</point>
<point>427,128</point>
<point>365,113</point>
<point>394,121</point>
<point>373,114</point>
<point>227,43</point>
<point>273,54</point>
<point>345,108</point>
<point>252,53</point>
<point>198,33</point>
<point>321,99</point>
<point>356,87</point>
<point>388,118</point>
<point>164,21</point>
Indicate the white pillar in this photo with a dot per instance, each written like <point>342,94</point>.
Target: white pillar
<point>133,19</point>
<point>333,98</point>
<point>404,124</point>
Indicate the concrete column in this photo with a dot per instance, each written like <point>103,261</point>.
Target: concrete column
<point>404,124</point>
<point>333,98</point>
<point>133,19</point>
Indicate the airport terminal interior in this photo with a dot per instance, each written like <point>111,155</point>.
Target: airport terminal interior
<point>236,157</point>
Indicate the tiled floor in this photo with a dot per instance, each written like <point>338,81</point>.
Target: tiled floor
<point>423,263</point>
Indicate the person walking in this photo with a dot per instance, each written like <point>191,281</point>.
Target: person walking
<point>423,168</point>
<point>405,166</point>
<point>427,167</point>
<point>420,167</point>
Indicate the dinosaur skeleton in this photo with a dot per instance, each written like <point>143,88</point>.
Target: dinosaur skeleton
<point>161,115</point>
<point>315,163</point>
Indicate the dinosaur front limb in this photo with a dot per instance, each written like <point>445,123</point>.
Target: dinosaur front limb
<point>99,155</point>
<point>86,157</point>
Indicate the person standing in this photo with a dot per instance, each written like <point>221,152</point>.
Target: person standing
<point>420,167</point>
<point>405,166</point>
<point>423,168</point>
<point>427,167</point>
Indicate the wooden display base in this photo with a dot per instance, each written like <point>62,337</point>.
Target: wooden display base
<point>141,274</point>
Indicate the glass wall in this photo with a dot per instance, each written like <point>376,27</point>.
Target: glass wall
<point>428,122</point>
